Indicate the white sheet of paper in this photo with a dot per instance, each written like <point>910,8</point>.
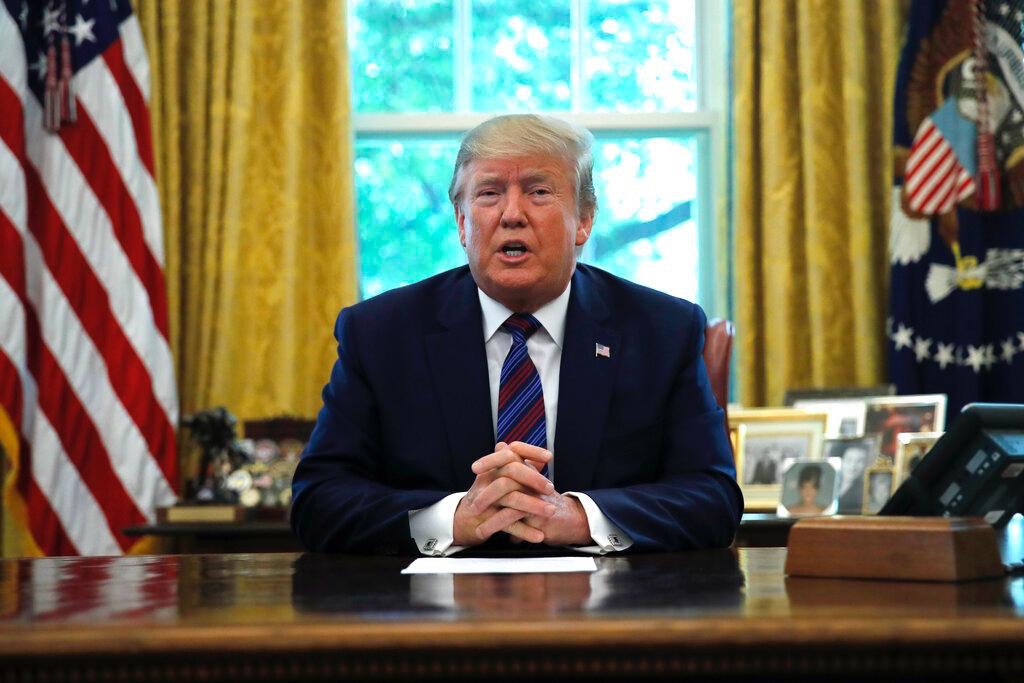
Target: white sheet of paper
<point>500,565</point>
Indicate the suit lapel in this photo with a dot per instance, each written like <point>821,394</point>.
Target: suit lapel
<point>584,385</point>
<point>458,367</point>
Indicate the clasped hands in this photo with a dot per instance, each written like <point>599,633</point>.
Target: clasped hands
<point>510,494</point>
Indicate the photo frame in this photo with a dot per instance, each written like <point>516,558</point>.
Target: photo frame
<point>735,436</point>
<point>911,448</point>
<point>765,438</point>
<point>809,488</point>
<point>889,416</point>
<point>878,487</point>
<point>845,416</point>
<point>832,393</point>
<point>856,455</point>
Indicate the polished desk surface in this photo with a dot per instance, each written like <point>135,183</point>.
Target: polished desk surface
<point>756,530</point>
<point>302,616</point>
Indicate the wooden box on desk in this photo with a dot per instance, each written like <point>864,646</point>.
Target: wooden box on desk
<point>905,548</point>
<point>192,514</point>
<point>203,513</point>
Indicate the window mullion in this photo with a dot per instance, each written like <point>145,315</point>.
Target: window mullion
<point>711,51</point>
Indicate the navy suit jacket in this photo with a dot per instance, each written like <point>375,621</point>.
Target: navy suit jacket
<point>407,411</point>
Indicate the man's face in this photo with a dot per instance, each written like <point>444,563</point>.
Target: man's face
<point>518,222</point>
<point>808,492</point>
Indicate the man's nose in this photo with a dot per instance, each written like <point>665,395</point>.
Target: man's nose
<point>512,214</point>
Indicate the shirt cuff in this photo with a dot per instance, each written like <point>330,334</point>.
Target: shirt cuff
<point>432,528</point>
<point>608,538</point>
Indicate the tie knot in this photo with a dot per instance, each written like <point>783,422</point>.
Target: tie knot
<point>521,325</point>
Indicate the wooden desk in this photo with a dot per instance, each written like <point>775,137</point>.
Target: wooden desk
<point>756,531</point>
<point>222,537</point>
<point>317,617</point>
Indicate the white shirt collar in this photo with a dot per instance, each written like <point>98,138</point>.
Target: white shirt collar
<point>551,315</point>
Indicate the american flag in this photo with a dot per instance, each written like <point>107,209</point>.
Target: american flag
<point>86,375</point>
<point>940,169</point>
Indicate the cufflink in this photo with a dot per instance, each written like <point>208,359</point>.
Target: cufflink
<point>614,540</point>
<point>429,545</point>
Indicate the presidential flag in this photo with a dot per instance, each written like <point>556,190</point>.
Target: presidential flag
<point>87,395</point>
<point>956,322</point>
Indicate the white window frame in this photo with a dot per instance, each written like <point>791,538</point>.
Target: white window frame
<point>709,122</point>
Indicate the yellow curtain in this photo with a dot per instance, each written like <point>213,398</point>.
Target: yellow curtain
<point>813,86</point>
<point>251,117</point>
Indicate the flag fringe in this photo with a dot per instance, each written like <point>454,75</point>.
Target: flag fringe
<point>17,536</point>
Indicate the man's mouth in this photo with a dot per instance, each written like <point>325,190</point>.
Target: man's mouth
<point>513,249</point>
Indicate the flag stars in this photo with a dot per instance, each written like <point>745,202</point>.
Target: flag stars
<point>1009,350</point>
<point>50,21</point>
<point>990,356</point>
<point>978,358</point>
<point>1004,9</point>
<point>903,337</point>
<point>975,357</point>
<point>23,16</point>
<point>1017,117</point>
<point>922,349</point>
<point>82,30</point>
<point>39,66</point>
<point>944,355</point>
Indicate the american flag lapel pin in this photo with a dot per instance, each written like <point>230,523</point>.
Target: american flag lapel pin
<point>602,351</point>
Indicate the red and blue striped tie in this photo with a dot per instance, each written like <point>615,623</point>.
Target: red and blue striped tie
<point>520,397</point>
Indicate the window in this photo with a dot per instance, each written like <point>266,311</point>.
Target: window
<point>647,77</point>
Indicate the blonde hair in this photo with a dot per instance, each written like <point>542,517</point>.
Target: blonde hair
<point>518,135</point>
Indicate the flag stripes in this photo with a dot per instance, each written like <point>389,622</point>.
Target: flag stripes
<point>86,373</point>
<point>933,178</point>
<point>134,102</point>
<point>114,118</point>
<point>103,175</point>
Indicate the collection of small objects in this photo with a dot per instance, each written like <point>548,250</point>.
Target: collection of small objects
<point>233,471</point>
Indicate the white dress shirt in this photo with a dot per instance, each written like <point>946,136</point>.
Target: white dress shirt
<point>433,527</point>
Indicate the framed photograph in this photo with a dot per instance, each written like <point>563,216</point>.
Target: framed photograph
<point>845,416</point>
<point>911,447</point>
<point>809,488</point>
<point>831,393</point>
<point>855,455</point>
<point>890,416</point>
<point>765,438</point>
<point>878,486</point>
<point>735,436</point>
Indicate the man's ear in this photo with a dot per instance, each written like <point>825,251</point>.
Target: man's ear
<point>460,220</point>
<point>586,224</point>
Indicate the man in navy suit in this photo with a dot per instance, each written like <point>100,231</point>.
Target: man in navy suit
<point>523,398</point>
